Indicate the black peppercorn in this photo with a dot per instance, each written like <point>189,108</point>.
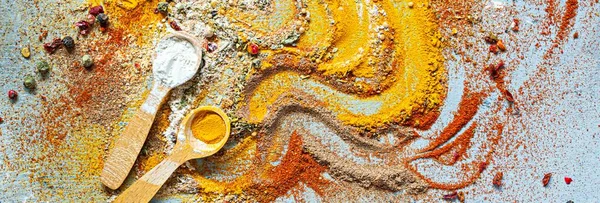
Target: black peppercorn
<point>68,42</point>
<point>102,19</point>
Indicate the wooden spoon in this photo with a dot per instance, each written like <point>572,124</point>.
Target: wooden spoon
<point>187,147</point>
<point>127,147</point>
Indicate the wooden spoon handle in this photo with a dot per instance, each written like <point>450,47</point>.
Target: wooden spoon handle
<point>127,147</point>
<point>146,187</point>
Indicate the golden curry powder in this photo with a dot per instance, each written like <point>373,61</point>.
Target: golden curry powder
<point>208,127</point>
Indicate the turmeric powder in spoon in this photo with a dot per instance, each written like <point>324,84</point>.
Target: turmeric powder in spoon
<point>208,127</point>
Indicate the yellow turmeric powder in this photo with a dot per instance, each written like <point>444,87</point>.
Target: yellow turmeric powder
<point>414,66</point>
<point>208,127</point>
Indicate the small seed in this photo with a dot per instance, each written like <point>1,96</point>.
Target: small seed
<point>25,52</point>
<point>87,61</point>
<point>411,4</point>
<point>163,7</point>
<point>209,32</point>
<point>501,45</point>
<point>43,67</point>
<point>29,82</point>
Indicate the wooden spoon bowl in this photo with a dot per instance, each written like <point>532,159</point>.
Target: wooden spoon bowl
<point>187,147</point>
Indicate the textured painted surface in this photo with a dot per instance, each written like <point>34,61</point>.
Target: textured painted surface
<point>555,84</point>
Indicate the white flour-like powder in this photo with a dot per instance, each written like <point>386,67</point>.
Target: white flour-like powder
<point>176,61</point>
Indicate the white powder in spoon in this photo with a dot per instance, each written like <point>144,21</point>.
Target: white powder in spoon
<point>176,61</point>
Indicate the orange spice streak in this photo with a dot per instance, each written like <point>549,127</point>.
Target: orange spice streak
<point>550,10</point>
<point>476,167</point>
<point>422,121</point>
<point>564,27</point>
<point>566,22</point>
<point>466,111</point>
<point>452,152</point>
<point>550,57</point>
<point>296,166</point>
<point>550,16</point>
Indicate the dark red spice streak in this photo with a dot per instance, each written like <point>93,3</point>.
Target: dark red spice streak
<point>564,28</point>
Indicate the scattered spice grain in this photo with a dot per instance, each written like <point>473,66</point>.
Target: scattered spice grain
<point>174,25</point>
<point>546,179</point>
<point>461,196</point>
<point>501,46</point>
<point>568,180</point>
<point>498,179</point>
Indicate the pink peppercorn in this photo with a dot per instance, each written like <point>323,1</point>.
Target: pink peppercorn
<point>12,94</point>
<point>84,27</point>
<point>96,10</point>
